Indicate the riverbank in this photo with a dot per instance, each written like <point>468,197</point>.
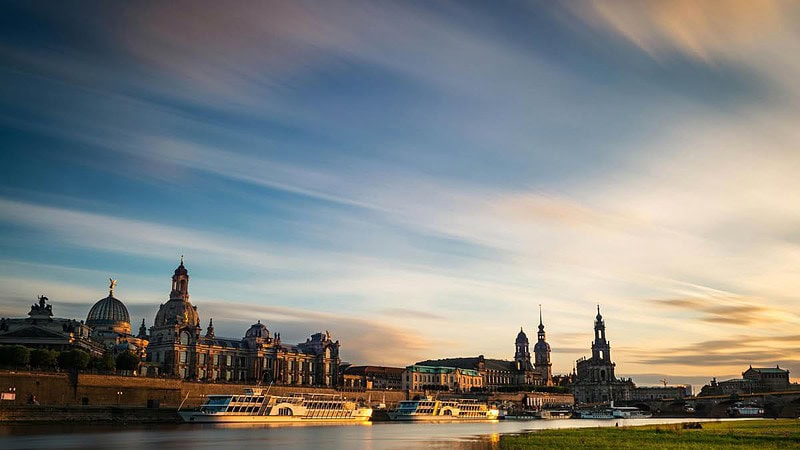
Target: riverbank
<point>757,433</point>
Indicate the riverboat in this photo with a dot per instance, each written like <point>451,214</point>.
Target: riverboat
<point>256,406</point>
<point>629,412</point>
<point>431,410</point>
<point>740,409</point>
<point>552,414</point>
<point>594,414</point>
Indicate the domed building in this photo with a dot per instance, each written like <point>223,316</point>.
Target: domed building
<point>111,325</point>
<point>178,348</point>
<point>109,314</point>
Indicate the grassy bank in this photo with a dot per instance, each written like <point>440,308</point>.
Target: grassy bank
<point>761,434</point>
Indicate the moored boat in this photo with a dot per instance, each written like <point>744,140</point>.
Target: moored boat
<point>551,414</point>
<point>629,412</point>
<point>256,406</point>
<point>740,409</point>
<point>605,413</point>
<point>428,409</point>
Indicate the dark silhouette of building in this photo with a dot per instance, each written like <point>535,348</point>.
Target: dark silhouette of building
<point>595,381</point>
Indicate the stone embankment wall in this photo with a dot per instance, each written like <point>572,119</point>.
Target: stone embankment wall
<point>61,389</point>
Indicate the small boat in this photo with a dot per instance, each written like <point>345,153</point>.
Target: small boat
<point>629,412</point>
<point>740,409</point>
<point>430,410</point>
<point>255,406</point>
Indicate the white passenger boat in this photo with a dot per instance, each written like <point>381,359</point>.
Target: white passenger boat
<point>740,409</point>
<point>255,406</point>
<point>594,414</point>
<point>430,410</point>
<point>629,412</point>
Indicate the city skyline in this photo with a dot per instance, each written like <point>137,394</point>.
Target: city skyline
<point>427,174</point>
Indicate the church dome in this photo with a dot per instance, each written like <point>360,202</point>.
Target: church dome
<point>177,312</point>
<point>522,337</point>
<point>109,312</point>
<point>257,330</point>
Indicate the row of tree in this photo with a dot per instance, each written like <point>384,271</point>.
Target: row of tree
<point>18,356</point>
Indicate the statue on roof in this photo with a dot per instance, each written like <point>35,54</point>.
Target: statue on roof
<point>112,284</point>
<point>42,309</point>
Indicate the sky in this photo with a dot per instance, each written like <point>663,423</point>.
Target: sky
<point>416,177</point>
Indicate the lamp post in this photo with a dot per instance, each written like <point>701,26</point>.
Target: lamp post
<point>119,397</point>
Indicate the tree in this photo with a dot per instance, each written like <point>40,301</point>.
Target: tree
<point>127,361</point>
<point>43,358</point>
<point>73,359</point>
<point>15,355</point>
<point>106,363</point>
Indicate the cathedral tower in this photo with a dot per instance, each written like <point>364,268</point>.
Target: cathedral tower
<point>541,353</point>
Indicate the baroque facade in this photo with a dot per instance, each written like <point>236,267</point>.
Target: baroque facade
<point>455,379</point>
<point>179,348</point>
<point>595,381</point>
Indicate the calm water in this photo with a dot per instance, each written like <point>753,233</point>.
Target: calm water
<point>377,436</point>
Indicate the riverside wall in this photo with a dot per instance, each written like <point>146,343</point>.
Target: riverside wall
<point>63,389</point>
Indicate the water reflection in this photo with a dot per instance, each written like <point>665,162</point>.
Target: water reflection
<point>377,436</point>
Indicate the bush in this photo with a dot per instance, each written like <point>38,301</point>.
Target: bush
<point>73,359</point>
<point>43,358</point>
<point>127,361</point>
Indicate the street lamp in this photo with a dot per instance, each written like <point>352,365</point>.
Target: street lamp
<point>119,397</point>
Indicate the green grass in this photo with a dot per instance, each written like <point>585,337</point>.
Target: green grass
<point>751,434</point>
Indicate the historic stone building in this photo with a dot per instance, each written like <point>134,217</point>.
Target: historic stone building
<point>111,325</point>
<point>754,380</point>
<point>41,330</point>
<point>595,381</point>
<point>419,378</point>
<point>179,348</point>
<point>373,377</point>
<point>504,374</point>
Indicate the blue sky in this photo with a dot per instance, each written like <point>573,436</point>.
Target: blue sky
<point>415,177</point>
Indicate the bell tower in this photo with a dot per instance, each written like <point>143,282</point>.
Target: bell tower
<point>522,355</point>
<point>601,349</point>
<point>180,283</point>
<point>542,354</point>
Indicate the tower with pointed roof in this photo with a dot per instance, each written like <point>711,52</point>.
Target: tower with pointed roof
<point>541,352</point>
<point>595,381</point>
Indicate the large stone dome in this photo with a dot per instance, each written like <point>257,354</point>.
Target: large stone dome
<point>109,313</point>
<point>177,312</point>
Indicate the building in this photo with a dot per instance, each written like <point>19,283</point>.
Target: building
<point>541,353</point>
<point>179,348</point>
<point>754,380</point>
<point>421,378</point>
<point>661,392</point>
<point>41,330</point>
<point>768,378</point>
<point>373,377</point>
<point>504,374</point>
<point>595,381</point>
<point>111,325</point>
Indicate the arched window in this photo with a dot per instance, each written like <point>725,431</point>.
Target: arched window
<point>184,338</point>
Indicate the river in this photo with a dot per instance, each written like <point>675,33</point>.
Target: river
<point>371,436</point>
